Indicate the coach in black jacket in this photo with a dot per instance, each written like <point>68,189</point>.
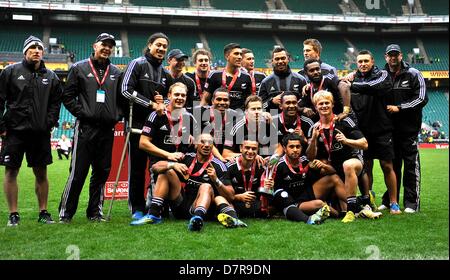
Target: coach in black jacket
<point>91,96</point>
<point>32,96</point>
<point>371,90</point>
<point>409,97</point>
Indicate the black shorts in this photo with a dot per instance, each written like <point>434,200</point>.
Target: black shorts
<point>36,147</point>
<point>339,167</point>
<point>283,199</point>
<point>380,147</point>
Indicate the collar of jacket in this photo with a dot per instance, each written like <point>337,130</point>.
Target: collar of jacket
<point>152,60</point>
<point>99,65</point>
<point>283,74</point>
<point>30,66</point>
<point>403,67</point>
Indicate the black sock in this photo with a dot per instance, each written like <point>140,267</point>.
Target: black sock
<point>293,213</point>
<point>227,209</point>
<point>200,211</point>
<point>365,200</point>
<point>351,204</point>
<point>156,206</point>
<point>43,211</point>
<point>14,213</point>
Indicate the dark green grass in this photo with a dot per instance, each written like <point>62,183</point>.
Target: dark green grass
<point>419,236</point>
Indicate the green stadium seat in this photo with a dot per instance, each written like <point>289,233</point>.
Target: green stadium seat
<point>162,3</point>
<point>259,5</point>
<point>317,7</point>
<point>437,109</point>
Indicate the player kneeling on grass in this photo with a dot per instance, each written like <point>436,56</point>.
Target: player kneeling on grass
<point>190,185</point>
<point>339,143</point>
<point>295,193</point>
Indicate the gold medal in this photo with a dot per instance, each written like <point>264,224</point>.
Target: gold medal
<point>248,205</point>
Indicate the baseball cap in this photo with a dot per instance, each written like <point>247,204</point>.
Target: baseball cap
<point>393,48</point>
<point>177,53</point>
<point>105,37</point>
<point>32,41</point>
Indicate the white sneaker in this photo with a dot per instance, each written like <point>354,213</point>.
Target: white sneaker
<point>382,207</point>
<point>409,210</point>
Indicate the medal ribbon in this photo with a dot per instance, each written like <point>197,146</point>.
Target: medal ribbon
<point>100,83</point>
<point>300,167</point>
<point>299,122</point>
<point>199,85</point>
<point>224,79</point>
<point>180,125</point>
<point>199,172</point>
<point>247,186</point>
<point>252,77</point>
<point>328,142</point>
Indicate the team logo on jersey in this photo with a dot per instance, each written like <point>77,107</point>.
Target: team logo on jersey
<point>146,129</point>
<point>258,84</point>
<point>296,87</point>
<point>337,146</point>
<point>243,86</point>
<point>112,77</point>
<point>21,77</point>
<point>234,180</point>
<point>90,75</point>
<point>163,81</point>
<point>45,81</point>
<point>146,76</point>
<point>287,178</point>
<point>405,84</point>
<point>164,128</point>
<point>272,88</point>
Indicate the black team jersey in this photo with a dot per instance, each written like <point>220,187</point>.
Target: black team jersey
<point>167,136</point>
<point>329,83</point>
<point>265,133</point>
<point>199,175</point>
<point>293,180</point>
<point>237,179</point>
<point>338,152</point>
<point>199,84</point>
<point>238,85</point>
<point>304,122</point>
<point>212,122</point>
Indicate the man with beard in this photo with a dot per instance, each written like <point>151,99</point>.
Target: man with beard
<point>146,78</point>
<point>248,63</point>
<point>236,81</point>
<point>282,80</point>
<point>91,96</point>
<point>371,89</point>
<point>177,61</point>
<point>191,185</point>
<point>202,63</point>
<point>319,82</point>
<point>30,100</point>
<point>295,193</point>
<point>338,143</point>
<point>409,97</point>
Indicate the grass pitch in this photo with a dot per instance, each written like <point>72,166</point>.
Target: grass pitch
<point>424,235</point>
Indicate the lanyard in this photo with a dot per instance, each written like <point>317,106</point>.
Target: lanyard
<point>328,142</point>
<point>199,85</point>
<point>224,79</point>
<point>299,123</point>
<point>252,77</point>
<point>212,117</point>
<point>199,173</point>
<point>247,186</point>
<point>300,167</point>
<point>180,125</point>
<point>100,83</point>
<point>311,87</point>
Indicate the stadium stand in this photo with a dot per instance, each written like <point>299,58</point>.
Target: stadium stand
<point>387,8</point>
<point>93,1</point>
<point>318,7</point>
<point>14,43</point>
<point>239,5</point>
<point>261,44</point>
<point>438,52</point>
<point>435,7</point>
<point>161,3</point>
<point>437,109</point>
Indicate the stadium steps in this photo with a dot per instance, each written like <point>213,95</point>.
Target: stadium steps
<point>437,109</point>
<point>239,5</point>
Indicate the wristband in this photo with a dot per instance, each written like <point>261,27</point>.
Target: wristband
<point>218,182</point>
<point>170,165</point>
